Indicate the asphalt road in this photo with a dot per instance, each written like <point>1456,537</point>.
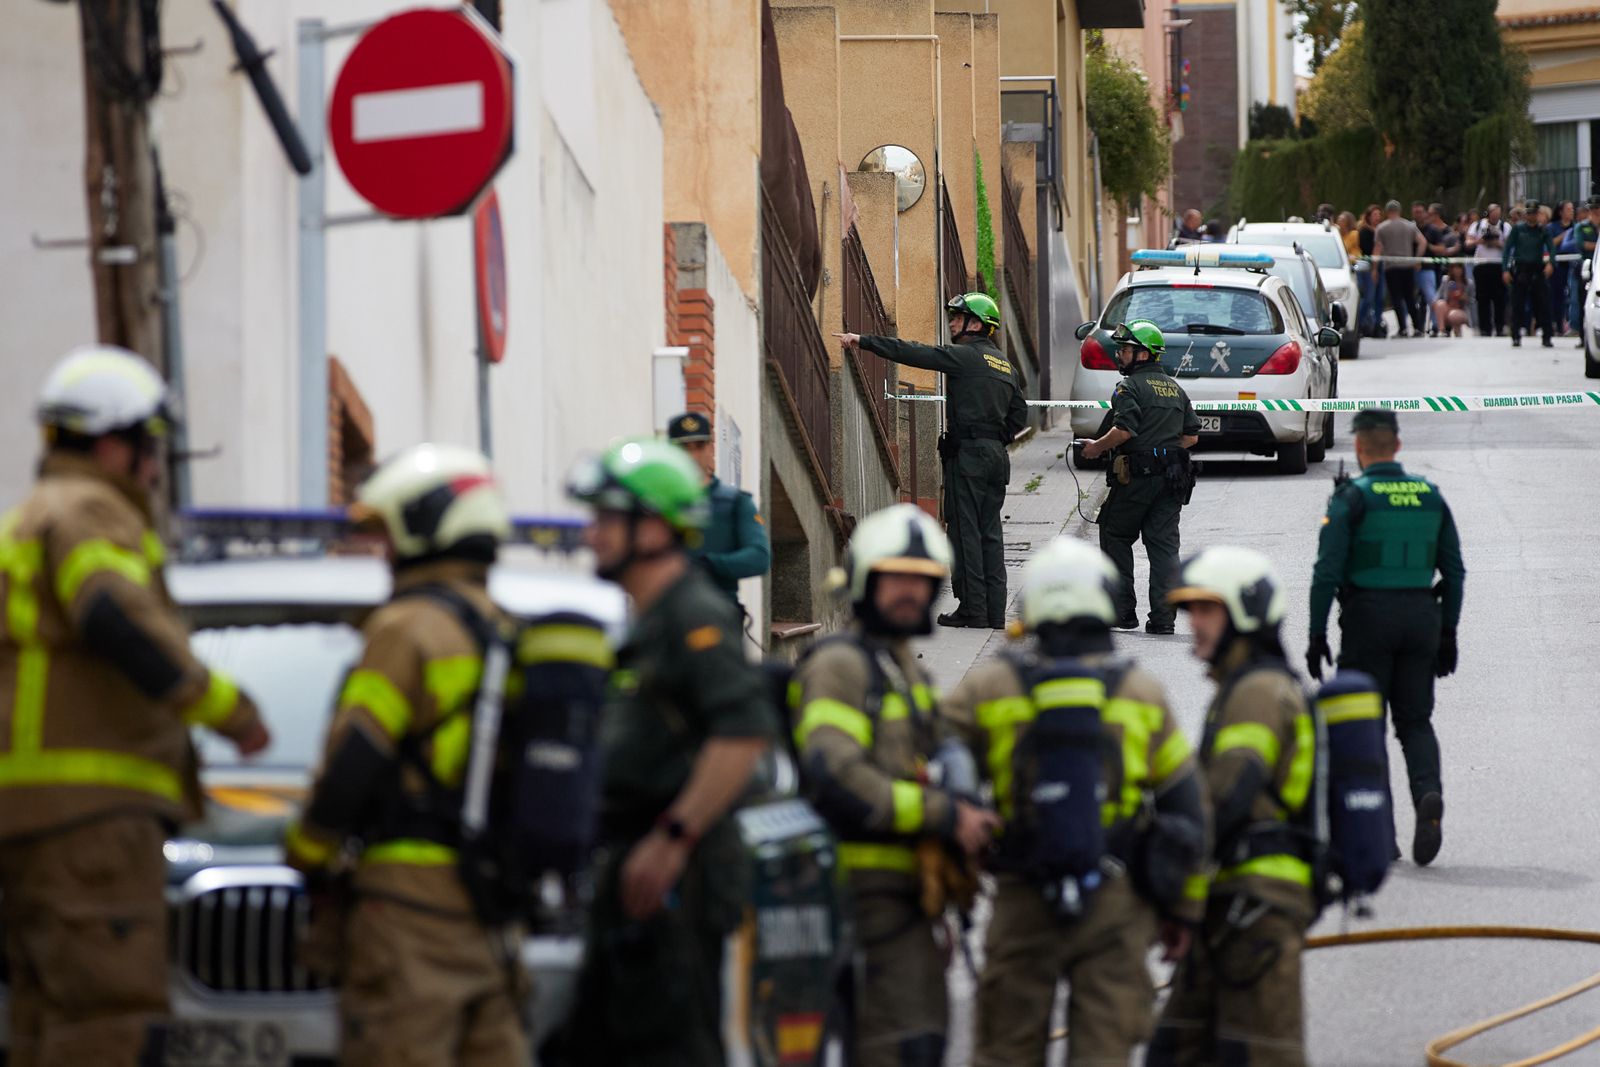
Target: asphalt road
<point>1517,723</point>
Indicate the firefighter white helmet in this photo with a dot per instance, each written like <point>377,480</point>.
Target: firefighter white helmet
<point>1241,580</point>
<point>1065,580</point>
<point>431,498</point>
<point>900,539</point>
<point>99,389</point>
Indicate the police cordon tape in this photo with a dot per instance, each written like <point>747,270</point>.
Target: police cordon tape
<point>1425,404</point>
<point>1445,261</point>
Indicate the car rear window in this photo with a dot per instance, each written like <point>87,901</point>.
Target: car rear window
<point>1177,308</point>
<point>1326,249</point>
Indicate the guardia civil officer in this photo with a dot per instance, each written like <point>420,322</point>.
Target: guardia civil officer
<point>1153,427</point>
<point>98,690</point>
<point>1236,998</point>
<point>424,978</point>
<point>1385,535</point>
<point>1526,270</point>
<point>1153,818</point>
<point>688,720</point>
<point>986,410</point>
<point>735,544</point>
<point>865,727</point>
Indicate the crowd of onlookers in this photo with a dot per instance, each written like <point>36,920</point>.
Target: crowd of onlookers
<point>1445,298</point>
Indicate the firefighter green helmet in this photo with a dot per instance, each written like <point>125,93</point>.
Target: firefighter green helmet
<point>1142,333</point>
<point>978,304</point>
<point>643,474</point>
<point>1242,580</point>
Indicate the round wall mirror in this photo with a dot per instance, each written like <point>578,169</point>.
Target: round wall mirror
<point>910,178</point>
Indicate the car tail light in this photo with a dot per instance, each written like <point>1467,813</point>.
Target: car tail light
<point>1093,356</point>
<point>1286,360</point>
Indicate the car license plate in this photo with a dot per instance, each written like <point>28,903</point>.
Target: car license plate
<point>1210,423</point>
<point>225,1043</point>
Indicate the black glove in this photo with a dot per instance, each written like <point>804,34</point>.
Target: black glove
<point>1445,662</point>
<point>1317,654</point>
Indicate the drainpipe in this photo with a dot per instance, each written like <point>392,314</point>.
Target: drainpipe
<point>1094,150</point>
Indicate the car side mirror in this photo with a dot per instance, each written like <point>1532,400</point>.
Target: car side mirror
<point>1084,330</point>
<point>1588,269</point>
<point>1341,317</point>
<point>1328,337</point>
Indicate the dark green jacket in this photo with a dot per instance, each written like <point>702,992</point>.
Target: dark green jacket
<point>735,544</point>
<point>1154,408</point>
<point>1527,246</point>
<point>1587,236</point>
<point>681,679</point>
<point>1387,530</point>
<point>983,397</point>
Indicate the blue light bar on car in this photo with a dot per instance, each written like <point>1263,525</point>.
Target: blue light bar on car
<point>1202,256</point>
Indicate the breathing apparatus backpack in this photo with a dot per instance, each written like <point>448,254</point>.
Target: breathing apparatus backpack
<point>1353,824</point>
<point>528,803</point>
<point>1058,780</point>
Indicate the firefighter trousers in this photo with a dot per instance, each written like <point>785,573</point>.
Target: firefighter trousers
<point>86,940</point>
<point>424,988</point>
<point>1236,999</point>
<point>902,1000</point>
<point>1111,1006</point>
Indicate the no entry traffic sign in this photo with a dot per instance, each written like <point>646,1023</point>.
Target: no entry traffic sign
<point>421,116</point>
<point>489,266</point>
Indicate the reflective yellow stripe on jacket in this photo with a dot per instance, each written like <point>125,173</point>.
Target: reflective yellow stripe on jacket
<point>862,856</point>
<point>1260,739</point>
<point>28,764</point>
<point>412,851</point>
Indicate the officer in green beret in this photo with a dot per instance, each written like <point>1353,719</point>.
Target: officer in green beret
<point>1385,535</point>
<point>1526,270</point>
<point>735,544</point>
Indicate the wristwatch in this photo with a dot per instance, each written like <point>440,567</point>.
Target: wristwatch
<point>676,829</point>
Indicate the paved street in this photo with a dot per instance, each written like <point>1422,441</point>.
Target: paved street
<point>1516,723</point>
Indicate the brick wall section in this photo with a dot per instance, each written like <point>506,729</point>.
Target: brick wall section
<point>351,438</point>
<point>1203,161</point>
<point>697,330</point>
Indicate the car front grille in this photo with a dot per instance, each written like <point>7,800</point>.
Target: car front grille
<point>242,936</point>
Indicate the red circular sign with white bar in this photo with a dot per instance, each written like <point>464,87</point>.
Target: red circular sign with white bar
<point>421,116</point>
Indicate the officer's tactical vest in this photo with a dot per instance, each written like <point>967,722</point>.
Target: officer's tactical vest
<point>528,802</point>
<point>1396,519</point>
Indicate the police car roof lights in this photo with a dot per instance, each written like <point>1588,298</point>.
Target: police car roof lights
<point>1198,256</point>
<point>231,533</point>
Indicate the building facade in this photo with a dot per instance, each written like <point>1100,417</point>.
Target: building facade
<point>1562,42</point>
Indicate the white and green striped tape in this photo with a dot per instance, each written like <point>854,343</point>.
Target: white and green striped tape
<point>1425,404</point>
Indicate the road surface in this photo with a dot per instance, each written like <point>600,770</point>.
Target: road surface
<point>1517,723</point>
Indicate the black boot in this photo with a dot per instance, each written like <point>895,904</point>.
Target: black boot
<point>957,620</point>
<point>1430,831</point>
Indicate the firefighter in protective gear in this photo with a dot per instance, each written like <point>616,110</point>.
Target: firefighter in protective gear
<point>1153,426</point>
<point>686,722</point>
<point>986,410</point>
<point>865,726</point>
<point>1154,815</point>
<point>98,689</point>
<point>423,978</point>
<point>1237,997</point>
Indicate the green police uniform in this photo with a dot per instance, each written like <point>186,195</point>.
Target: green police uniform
<point>1145,502</point>
<point>1148,766</point>
<point>1384,536</point>
<point>1236,998</point>
<point>986,410</point>
<point>1526,248</point>
<point>651,990</point>
<point>735,544</point>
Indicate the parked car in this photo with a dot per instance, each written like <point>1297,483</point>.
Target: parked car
<point>1323,241</point>
<point>287,627</point>
<point>1234,331</point>
<point>1591,316</point>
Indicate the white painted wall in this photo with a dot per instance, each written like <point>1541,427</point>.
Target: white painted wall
<point>584,257</point>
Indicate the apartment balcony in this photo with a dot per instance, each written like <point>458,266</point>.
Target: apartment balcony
<point>1019,270</point>
<point>1552,185</point>
<point>864,313</point>
<point>952,260</point>
<point>795,350</point>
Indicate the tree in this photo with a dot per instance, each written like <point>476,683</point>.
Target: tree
<point>1270,122</point>
<point>1336,99</point>
<point>1322,23</point>
<point>1135,147</point>
<point>1434,69</point>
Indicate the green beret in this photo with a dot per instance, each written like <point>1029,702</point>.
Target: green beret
<point>1374,419</point>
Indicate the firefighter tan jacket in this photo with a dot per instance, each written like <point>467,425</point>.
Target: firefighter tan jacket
<point>413,689</point>
<point>98,687</point>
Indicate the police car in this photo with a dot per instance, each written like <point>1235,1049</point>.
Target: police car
<point>1591,316</point>
<point>1326,247</point>
<point>1234,331</point>
<point>270,606</point>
